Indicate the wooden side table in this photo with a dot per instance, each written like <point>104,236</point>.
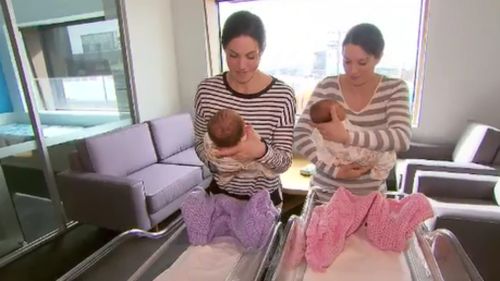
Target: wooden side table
<point>295,185</point>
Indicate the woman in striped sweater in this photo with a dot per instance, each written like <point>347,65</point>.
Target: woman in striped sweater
<point>266,104</point>
<point>375,103</point>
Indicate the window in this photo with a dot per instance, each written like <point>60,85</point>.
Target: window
<point>77,65</point>
<point>304,39</point>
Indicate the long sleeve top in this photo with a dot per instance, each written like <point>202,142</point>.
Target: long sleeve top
<point>271,112</point>
<point>384,126</point>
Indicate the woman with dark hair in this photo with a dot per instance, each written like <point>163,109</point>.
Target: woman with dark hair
<point>266,104</point>
<point>374,103</point>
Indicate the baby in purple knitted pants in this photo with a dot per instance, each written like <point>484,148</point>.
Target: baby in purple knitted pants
<point>209,216</point>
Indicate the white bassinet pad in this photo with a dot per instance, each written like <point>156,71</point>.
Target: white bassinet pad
<point>361,261</point>
<point>211,262</point>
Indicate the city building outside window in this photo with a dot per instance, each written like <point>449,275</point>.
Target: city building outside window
<point>304,39</point>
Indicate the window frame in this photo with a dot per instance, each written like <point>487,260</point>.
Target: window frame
<point>58,101</point>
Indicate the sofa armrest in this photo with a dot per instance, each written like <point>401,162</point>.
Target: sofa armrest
<point>461,212</point>
<point>406,169</point>
<point>110,202</point>
<point>456,187</point>
<point>427,151</point>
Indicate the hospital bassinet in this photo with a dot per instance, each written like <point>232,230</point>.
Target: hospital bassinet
<point>431,255</point>
<point>141,255</point>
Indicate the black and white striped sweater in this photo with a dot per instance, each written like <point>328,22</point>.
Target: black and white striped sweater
<point>271,112</point>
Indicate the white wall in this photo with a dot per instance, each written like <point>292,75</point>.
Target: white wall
<point>462,75</point>
<point>153,55</point>
<point>190,46</point>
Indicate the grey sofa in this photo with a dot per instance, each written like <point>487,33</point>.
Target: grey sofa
<point>133,177</point>
<point>477,152</point>
<point>457,187</point>
<point>467,205</point>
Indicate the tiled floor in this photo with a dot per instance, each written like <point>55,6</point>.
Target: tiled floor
<point>55,258</point>
<point>58,256</point>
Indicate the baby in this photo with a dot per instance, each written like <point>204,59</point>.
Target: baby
<point>224,130</point>
<point>339,154</point>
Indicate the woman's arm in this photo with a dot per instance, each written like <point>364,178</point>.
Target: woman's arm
<point>302,135</point>
<point>274,152</point>
<point>278,155</point>
<point>200,127</point>
<point>397,135</point>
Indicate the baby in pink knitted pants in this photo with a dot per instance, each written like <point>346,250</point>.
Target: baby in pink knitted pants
<point>389,223</point>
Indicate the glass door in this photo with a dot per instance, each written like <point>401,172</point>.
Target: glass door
<point>11,235</point>
<point>77,68</point>
<point>64,77</point>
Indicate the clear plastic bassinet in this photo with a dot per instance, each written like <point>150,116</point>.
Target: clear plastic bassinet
<point>141,255</point>
<point>431,255</point>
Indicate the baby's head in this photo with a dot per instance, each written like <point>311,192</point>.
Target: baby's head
<point>320,111</point>
<point>226,128</point>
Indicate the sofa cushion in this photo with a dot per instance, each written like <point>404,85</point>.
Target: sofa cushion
<point>172,134</point>
<point>187,157</point>
<point>455,187</point>
<point>406,169</point>
<point>478,144</point>
<point>164,183</point>
<point>119,152</point>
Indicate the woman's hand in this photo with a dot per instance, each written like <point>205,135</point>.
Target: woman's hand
<point>333,130</point>
<point>352,171</point>
<point>250,148</point>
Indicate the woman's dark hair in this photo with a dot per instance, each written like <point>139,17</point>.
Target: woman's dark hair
<point>368,37</point>
<point>244,23</point>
